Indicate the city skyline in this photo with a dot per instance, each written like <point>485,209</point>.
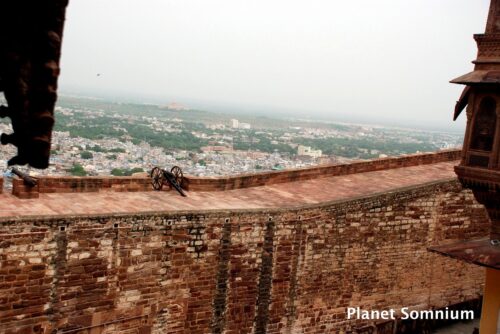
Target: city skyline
<point>285,59</point>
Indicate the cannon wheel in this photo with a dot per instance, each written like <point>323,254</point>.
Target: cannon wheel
<point>157,178</point>
<point>179,176</point>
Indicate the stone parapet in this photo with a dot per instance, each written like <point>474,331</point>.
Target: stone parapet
<point>92,184</point>
<point>68,184</point>
<point>193,183</point>
<point>23,191</point>
<point>55,184</point>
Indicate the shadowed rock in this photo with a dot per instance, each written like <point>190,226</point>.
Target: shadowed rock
<point>30,49</point>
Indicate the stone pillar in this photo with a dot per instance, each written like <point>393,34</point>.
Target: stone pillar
<point>468,130</point>
<point>496,143</point>
<point>491,303</point>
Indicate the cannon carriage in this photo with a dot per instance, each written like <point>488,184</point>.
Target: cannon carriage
<point>174,178</point>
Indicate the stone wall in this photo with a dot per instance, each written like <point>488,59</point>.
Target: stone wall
<point>273,271</point>
<point>22,190</point>
<point>61,184</point>
<point>69,184</point>
<point>309,173</point>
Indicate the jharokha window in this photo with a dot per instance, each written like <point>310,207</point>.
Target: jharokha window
<point>484,125</point>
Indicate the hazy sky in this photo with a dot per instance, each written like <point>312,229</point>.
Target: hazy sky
<point>387,60</point>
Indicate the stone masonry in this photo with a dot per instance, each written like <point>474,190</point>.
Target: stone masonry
<point>238,271</point>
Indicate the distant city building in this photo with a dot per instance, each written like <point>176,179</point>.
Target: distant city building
<point>222,149</point>
<point>306,150</point>
<point>223,152</point>
<point>217,126</point>
<point>177,107</point>
<point>235,124</point>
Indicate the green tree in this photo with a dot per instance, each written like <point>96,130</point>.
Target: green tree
<point>77,170</point>
<point>125,172</point>
<point>117,172</point>
<point>117,150</point>
<point>135,170</point>
<point>96,148</point>
<point>86,155</point>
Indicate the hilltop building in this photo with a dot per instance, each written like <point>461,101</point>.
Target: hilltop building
<point>308,151</point>
<point>176,107</point>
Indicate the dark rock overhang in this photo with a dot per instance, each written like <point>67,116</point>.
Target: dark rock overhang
<point>30,49</point>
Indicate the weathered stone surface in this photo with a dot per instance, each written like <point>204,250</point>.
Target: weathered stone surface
<point>283,195</point>
<point>303,174</point>
<point>238,271</point>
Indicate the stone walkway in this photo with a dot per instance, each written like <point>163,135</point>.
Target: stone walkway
<point>283,195</point>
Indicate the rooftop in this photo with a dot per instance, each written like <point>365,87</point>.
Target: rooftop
<point>481,252</point>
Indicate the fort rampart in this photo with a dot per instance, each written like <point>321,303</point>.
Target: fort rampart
<point>58,184</point>
<point>238,271</point>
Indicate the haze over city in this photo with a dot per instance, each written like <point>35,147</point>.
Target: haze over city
<point>383,61</point>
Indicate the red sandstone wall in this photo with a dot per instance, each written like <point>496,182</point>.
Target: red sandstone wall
<point>23,191</point>
<point>57,184</point>
<point>266,178</point>
<point>237,272</point>
<point>92,184</point>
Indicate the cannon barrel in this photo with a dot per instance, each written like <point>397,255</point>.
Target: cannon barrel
<point>28,180</point>
<point>171,179</point>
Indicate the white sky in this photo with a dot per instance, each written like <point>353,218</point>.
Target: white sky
<point>387,60</point>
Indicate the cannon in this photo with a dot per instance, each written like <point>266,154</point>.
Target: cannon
<point>174,178</point>
<point>28,180</point>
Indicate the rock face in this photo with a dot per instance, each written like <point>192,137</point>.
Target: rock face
<point>239,271</point>
<point>30,46</point>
